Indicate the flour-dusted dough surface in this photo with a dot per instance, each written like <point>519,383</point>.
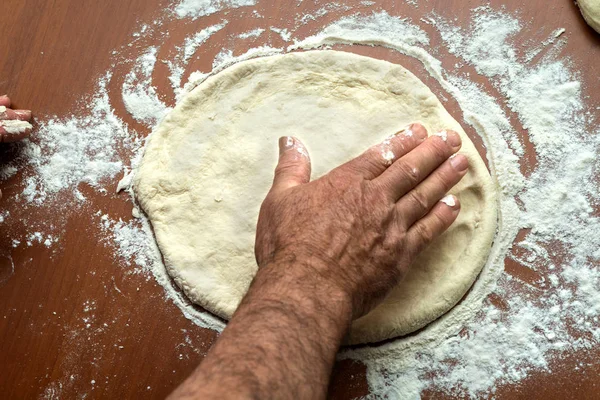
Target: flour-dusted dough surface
<point>590,9</point>
<point>210,163</point>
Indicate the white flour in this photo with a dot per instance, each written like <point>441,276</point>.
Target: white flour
<point>139,95</point>
<point>77,149</point>
<point>251,34</point>
<point>284,33</point>
<point>475,347</point>
<point>186,51</point>
<point>15,127</point>
<point>199,8</point>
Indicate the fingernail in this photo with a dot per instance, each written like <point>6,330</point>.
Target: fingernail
<point>451,137</point>
<point>419,131</point>
<point>449,200</point>
<point>406,131</point>
<point>285,143</point>
<point>459,162</point>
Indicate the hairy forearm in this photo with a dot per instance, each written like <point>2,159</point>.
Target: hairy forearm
<point>280,343</point>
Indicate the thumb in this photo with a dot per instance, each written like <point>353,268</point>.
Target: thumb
<point>293,168</point>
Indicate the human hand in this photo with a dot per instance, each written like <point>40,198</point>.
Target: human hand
<point>14,124</point>
<point>359,228</point>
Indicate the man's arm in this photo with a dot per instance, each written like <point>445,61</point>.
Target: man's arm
<point>281,342</point>
<point>328,252</point>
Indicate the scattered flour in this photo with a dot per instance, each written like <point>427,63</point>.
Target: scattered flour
<point>78,149</point>
<point>303,19</point>
<point>378,28</point>
<point>284,33</point>
<point>200,8</point>
<point>477,346</point>
<point>8,171</point>
<point>139,95</point>
<point>187,50</point>
<point>251,34</point>
<point>134,243</point>
<point>39,237</point>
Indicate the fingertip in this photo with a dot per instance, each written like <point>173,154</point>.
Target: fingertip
<point>452,203</point>
<point>293,167</point>
<point>287,143</point>
<point>418,130</point>
<point>451,137</point>
<point>4,101</point>
<point>23,115</point>
<point>450,200</point>
<point>459,162</point>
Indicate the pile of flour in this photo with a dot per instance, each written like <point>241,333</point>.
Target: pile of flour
<point>551,193</point>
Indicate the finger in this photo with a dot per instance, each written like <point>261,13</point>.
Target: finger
<point>416,203</point>
<point>406,173</point>
<point>432,225</point>
<point>294,167</point>
<point>21,115</point>
<point>4,101</point>
<point>378,158</point>
<point>14,132</point>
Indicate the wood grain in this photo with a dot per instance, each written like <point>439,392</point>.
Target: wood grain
<point>137,344</point>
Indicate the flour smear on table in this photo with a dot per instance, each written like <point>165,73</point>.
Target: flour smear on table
<point>506,327</point>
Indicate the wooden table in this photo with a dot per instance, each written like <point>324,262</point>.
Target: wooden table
<point>138,344</point>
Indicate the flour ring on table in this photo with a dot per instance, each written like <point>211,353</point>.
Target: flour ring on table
<point>209,164</point>
<point>590,9</point>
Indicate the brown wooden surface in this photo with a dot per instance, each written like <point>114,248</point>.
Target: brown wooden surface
<point>138,344</point>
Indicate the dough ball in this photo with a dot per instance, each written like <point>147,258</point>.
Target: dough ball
<point>590,9</point>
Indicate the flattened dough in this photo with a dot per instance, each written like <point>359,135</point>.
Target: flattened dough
<point>210,163</point>
<point>590,9</point>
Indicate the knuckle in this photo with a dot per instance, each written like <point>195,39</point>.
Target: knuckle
<point>292,168</point>
<point>446,178</point>
<point>373,161</point>
<point>285,167</point>
<point>439,148</point>
<point>419,200</point>
<point>367,165</point>
<point>442,219</point>
<point>410,173</point>
<point>426,233</point>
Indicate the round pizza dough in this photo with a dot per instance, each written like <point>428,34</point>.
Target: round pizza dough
<point>209,165</point>
<point>590,9</point>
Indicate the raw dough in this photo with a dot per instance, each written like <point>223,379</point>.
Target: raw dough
<point>590,9</point>
<point>210,163</point>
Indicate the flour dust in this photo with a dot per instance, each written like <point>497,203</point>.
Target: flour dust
<point>478,345</point>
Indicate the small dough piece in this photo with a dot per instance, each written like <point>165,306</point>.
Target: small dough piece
<point>209,165</point>
<point>590,9</point>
